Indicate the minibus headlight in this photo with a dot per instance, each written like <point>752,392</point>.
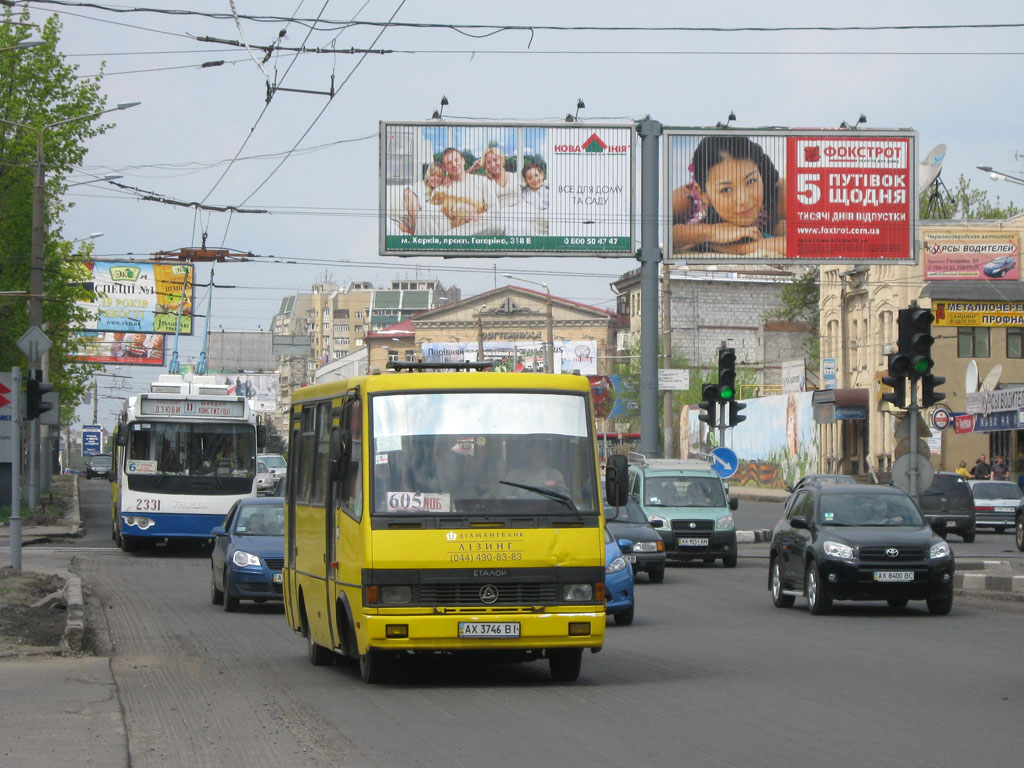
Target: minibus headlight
<point>578,593</point>
<point>243,559</point>
<point>395,594</point>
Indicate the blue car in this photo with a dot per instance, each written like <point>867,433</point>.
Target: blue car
<point>248,553</point>
<point>999,267</point>
<point>618,581</point>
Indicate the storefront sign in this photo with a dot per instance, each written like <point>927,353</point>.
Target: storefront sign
<point>979,314</point>
<point>995,400</point>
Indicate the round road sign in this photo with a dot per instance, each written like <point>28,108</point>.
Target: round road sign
<point>941,418</point>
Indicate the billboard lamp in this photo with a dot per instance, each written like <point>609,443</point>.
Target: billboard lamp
<point>732,116</point>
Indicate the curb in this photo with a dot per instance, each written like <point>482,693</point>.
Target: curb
<point>74,629</point>
<point>988,576</point>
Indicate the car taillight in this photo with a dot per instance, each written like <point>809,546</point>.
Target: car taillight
<point>984,509</point>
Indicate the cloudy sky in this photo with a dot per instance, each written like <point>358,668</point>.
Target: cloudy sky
<point>207,134</point>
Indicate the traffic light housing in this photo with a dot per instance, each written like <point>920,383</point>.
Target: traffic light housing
<point>709,405</point>
<point>726,375</point>
<point>899,367</point>
<point>929,396</point>
<point>34,391</point>
<point>735,406</point>
<point>915,341</point>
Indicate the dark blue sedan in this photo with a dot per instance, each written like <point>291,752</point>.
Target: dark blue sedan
<point>248,553</point>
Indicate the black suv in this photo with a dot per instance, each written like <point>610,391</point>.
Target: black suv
<point>863,542</point>
<point>949,497</point>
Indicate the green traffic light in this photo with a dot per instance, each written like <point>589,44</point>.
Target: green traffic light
<point>922,365</point>
<point>726,393</point>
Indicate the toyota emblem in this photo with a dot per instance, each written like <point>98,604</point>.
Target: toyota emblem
<point>489,594</point>
<point>892,552</point>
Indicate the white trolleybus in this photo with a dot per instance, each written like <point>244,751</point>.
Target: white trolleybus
<point>184,453</point>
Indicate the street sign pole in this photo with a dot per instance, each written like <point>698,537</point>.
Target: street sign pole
<point>15,521</point>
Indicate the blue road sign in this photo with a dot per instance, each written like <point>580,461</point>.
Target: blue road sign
<point>92,440</point>
<point>724,462</point>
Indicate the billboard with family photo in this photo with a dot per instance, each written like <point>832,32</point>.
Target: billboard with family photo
<point>510,189</point>
<point>779,195</point>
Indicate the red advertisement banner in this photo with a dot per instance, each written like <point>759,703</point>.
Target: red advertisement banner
<point>777,196</point>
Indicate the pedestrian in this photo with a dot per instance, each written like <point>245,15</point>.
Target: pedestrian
<point>962,469</point>
<point>982,469</point>
<point>999,469</point>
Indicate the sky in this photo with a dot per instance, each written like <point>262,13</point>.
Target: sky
<point>312,160</point>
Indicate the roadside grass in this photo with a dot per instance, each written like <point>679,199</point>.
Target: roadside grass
<point>52,506</point>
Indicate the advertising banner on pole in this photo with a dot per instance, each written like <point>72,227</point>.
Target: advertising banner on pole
<point>973,254</point>
<point>781,195</point>
<point>506,189</point>
<point>141,298</point>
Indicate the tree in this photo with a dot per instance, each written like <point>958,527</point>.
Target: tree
<point>800,305</point>
<point>965,202</point>
<point>37,89</point>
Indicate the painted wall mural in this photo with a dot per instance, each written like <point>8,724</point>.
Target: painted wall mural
<point>776,445</point>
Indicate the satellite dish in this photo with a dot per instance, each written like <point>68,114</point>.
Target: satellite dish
<point>971,384</point>
<point>928,170</point>
<point>992,379</point>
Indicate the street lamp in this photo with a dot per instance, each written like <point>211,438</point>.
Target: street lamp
<point>549,357</point>
<point>23,45</point>
<point>999,175</point>
<point>93,236</point>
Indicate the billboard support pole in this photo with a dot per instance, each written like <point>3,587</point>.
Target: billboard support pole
<point>650,256</point>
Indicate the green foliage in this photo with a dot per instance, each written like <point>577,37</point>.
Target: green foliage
<point>38,89</point>
<point>966,203</point>
<point>800,305</point>
<point>275,443</point>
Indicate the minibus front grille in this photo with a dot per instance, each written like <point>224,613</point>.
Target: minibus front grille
<point>508,593</point>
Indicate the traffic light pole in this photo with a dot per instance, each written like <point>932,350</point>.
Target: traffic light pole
<point>912,414</point>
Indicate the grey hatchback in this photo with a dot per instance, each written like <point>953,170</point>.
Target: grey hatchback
<point>949,497</point>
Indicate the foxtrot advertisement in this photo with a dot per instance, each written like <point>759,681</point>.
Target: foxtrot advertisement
<point>141,298</point>
<point>506,189</point>
<point>780,196</point>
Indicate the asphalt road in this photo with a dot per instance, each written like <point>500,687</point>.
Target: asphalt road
<point>709,674</point>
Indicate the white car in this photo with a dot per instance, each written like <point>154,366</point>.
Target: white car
<point>277,466</point>
<point>995,502</point>
<point>266,481</point>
